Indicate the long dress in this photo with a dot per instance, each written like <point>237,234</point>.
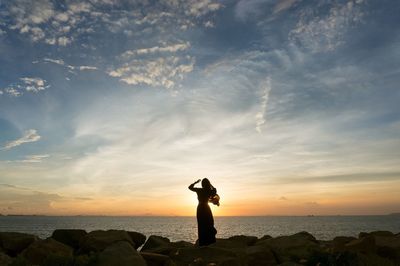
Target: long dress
<point>205,220</point>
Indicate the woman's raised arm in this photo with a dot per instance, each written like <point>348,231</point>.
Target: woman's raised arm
<point>192,188</point>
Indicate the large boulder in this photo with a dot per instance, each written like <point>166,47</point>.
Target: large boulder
<point>247,240</point>
<point>229,244</point>
<point>44,251</point>
<point>98,240</point>
<point>154,259</point>
<point>13,243</point>
<point>208,256</point>
<point>364,245</point>
<point>388,247</point>
<point>296,248</point>
<point>260,256</point>
<point>5,260</point>
<point>120,254</point>
<point>137,238</point>
<point>339,242</point>
<point>162,245</point>
<point>375,233</point>
<point>70,237</point>
<point>360,259</point>
<point>154,242</point>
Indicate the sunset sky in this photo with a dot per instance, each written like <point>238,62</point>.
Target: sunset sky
<point>113,107</point>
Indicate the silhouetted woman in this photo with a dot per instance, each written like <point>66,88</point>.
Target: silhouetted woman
<point>205,220</point>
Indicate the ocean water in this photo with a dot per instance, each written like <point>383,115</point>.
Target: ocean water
<point>185,228</point>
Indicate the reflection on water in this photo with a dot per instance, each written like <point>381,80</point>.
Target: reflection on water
<point>185,228</point>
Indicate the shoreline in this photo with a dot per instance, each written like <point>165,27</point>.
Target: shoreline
<point>188,216</point>
<point>119,247</point>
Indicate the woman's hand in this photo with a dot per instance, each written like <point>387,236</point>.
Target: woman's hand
<point>197,181</point>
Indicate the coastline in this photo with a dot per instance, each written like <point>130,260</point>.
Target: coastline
<point>119,247</point>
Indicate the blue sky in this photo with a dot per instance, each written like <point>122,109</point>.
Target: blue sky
<point>111,106</point>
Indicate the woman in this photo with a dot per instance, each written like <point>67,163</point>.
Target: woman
<point>205,220</point>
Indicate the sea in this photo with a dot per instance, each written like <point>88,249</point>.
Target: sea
<point>185,228</point>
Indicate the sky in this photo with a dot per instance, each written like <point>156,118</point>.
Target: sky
<point>113,107</point>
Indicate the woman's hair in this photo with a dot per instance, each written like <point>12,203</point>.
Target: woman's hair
<point>205,183</point>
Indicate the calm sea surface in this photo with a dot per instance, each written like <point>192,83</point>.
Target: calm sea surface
<point>185,228</point>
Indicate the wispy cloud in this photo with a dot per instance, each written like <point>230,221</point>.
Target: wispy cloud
<point>260,116</point>
<point>282,5</point>
<point>87,68</point>
<point>22,200</point>
<point>35,158</point>
<point>30,135</point>
<point>325,32</point>
<point>74,19</point>
<point>27,84</point>
<point>70,67</point>
<point>34,84</point>
<point>162,71</point>
<point>13,92</point>
<point>157,49</point>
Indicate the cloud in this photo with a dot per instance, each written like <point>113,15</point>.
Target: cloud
<point>156,49</point>
<point>343,178</point>
<point>248,8</point>
<point>34,84</point>
<point>260,116</point>
<point>21,200</point>
<point>55,61</point>
<point>12,92</point>
<point>283,5</point>
<point>70,67</point>
<point>29,15</point>
<point>29,84</point>
<point>324,32</point>
<point>30,135</point>
<point>61,25</point>
<point>87,68</point>
<point>63,41</point>
<point>199,8</point>
<point>162,71</point>
<point>35,158</point>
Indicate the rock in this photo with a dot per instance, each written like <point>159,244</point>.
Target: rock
<point>260,256</point>
<point>265,237</point>
<point>207,255</point>
<point>360,259</point>
<point>137,238</point>
<point>247,240</point>
<point>292,248</point>
<point>229,244</point>
<point>290,263</point>
<point>43,251</point>
<point>153,259</point>
<point>388,247</point>
<point>339,242</point>
<point>5,260</point>
<point>365,244</point>
<point>70,237</point>
<point>375,233</point>
<point>162,245</point>
<point>120,254</point>
<point>154,242</point>
<point>98,240</point>
<point>13,243</point>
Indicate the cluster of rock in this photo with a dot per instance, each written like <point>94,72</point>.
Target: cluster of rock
<point>120,248</point>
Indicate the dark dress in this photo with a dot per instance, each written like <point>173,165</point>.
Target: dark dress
<point>205,220</point>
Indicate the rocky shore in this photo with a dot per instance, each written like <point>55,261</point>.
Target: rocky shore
<point>120,248</point>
